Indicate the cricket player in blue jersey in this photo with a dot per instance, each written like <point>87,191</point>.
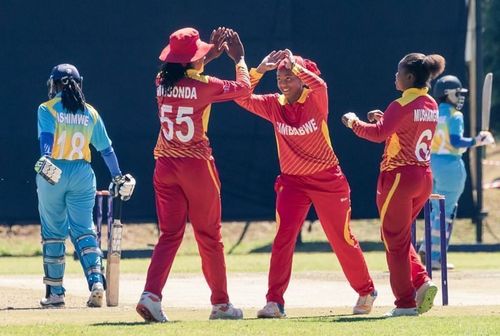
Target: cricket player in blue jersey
<point>66,184</point>
<point>448,168</point>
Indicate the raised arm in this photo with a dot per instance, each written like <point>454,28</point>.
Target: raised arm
<point>380,131</point>
<point>218,39</point>
<point>304,69</point>
<point>261,104</point>
<point>224,90</point>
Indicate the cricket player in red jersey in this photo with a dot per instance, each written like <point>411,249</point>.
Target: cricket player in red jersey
<point>405,180</point>
<point>310,174</point>
<point>185,178</point>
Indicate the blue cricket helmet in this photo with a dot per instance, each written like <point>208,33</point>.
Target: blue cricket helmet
<point>62,71</point>
<point>446,84</point>
<point>449,88</point>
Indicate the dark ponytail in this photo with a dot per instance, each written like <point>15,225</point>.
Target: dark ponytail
<point>423,68</point>
<point>72,97</point>
<point>435,64</point>
<point>171,73</point>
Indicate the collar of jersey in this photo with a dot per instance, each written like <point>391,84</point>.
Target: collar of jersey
<point>282,100</point>
<point>445,108</point>
<point>415,91</point>
<point>195,74</point>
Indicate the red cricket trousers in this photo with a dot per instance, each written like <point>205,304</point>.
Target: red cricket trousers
<point>188,188</point>
<point>401,195</point>
<point>329,192</point>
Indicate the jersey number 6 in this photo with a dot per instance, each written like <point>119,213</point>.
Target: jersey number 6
<point>183,117</point>
<point>422,149</point>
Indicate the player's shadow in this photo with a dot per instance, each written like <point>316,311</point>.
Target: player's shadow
<point>328,318</point>
<point>318,318</point>
<point>36,308</point>
<point>126,324</point>
<point>361,319</point>
<point>20,308</point>
<point>321,247</point>
<point>341,318</point>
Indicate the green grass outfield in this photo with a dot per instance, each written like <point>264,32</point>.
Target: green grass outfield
<point>250,263</point>
<point>440,321</point>
<point>450,320</point>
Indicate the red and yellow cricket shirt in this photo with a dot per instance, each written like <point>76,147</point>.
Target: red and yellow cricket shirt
<point>184,111</point>
<point>301,128</point>
<point>407,127</point>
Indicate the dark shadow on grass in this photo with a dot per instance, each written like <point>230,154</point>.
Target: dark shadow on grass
<point>361,319</point>
<point>322,247</point>
<point>127,324</point>
<point>304,318</point>
<point>39,308</point>
<point>319,317</point>
<point>341,318</point>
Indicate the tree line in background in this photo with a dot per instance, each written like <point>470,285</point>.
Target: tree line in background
<point>491,54</point>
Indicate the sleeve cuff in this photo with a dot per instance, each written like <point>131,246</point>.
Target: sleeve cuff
<point>255,74</point>
<point>355,124</point>
<point>241,64</point>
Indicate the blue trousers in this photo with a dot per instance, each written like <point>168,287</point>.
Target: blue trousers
<point>66,209</point>
<point>449,180</point>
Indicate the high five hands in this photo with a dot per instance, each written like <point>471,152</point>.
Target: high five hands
<point>271,61</point>
<point>218,39</point>
<point>225,39</point>
<point>234,48</point>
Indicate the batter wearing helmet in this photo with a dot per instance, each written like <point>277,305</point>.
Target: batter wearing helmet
<point>66,184</point>
<point>448,168</point>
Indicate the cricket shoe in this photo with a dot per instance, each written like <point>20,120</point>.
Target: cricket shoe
<point>397,312</point>
<point>96,295</point>
<point>53,301</point>
<point>425,296</point>
<point>364,304</point>
<point>272,310</point>
<point>225,311</point>
<point>149,307</point>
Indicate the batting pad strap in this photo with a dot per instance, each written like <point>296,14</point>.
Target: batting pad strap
<point>53,281</point>
<point>54,260</point>
<point>53,241</point>
<point>90,250</point>
<point>85,236</point>
<point>94,270</point>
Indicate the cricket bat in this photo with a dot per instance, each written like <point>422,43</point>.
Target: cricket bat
<point>114,255</point>
<point>486,101</point>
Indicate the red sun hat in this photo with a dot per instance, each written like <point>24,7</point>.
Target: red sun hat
<point>185,46</point>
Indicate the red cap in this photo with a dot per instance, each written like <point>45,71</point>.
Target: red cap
<point>185,46</point>
<point>303,62</point>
